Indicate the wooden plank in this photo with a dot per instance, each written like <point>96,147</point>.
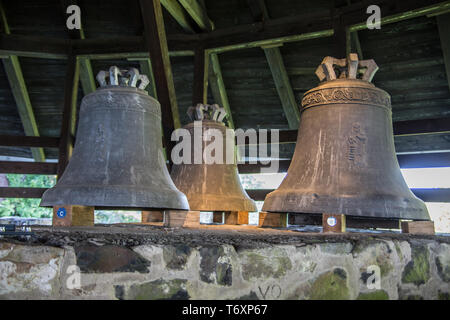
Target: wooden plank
<point>200,85</point>
<point>11,192</point>
<point>198,13</point>
<point>272,220</point>
<point>418,227</point>
<point>178,219</point>
<point>33,46</point>
<point>28,167</point>
<point>27,141</point>
<point>19,90</point>
<point>155,38</point>
<point>69,114</point>
<point>86,74</point>
<point>73,216</point>
<point>217,85</point>
<point>278,70</point>
<point>152,216</point>
<point>283,86</point>
<point>179,14</point>
<point>443,22</point>
<point>333,223</point>
<point>146,68</point>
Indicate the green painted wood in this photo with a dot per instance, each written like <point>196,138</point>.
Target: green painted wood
<point>179,14</point>
<point>198,13</point>
<point>20,93</point>
<point>218,87</point>
<point>444,34</point>
<point>146,68</point>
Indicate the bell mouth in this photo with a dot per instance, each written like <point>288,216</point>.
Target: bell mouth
<point>116,198</point>
<point>407,207</point>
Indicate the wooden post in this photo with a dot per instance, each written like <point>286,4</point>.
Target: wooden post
<point>201,63</point>
<point>152,216</point>
<point>155,38</point>
<point>236,217</point>
<point>71,216</point>
<point>418,227</point>
<point>333,223</point>
<point>69,114</point>
<point>340,38</point>
<point>218,217</point>
<point>179,218</point>
<point>273,219</point>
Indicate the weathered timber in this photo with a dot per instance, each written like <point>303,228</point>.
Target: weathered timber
<point>443,22</point>
<point>198,13</point>
<point>13,192</point>
<point>28,167</point>
<point>155,38</point>
<point>218,87</point>
<point>179,14</point>
<point>20,92</point>
<point>200,89</point>
<point>69,114</point>
<point>29,141</point>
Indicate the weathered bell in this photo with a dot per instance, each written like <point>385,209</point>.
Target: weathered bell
<point>118,160</point>
<point>344,161</point>
<point>209,175</point>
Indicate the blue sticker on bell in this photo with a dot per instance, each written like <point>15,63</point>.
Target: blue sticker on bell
<point>61,213</point>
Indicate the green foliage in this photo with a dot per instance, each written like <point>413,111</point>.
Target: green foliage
<point>26,207</point>
<point>106,217</point>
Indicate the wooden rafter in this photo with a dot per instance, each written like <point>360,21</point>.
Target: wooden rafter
<point>198,13</point>
<point>218,87</point>
<point>278,70</point>
<point>444,33</point>
<point>19,90</point>
<point>68,123</point>
<point>155,37</point>
<point>200,85</point>
<point>179,14</point>
<point>86,74</point>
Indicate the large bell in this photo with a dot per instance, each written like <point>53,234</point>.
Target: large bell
<point>344,161</point>
<point>210,185</point>
<point>118,160</point>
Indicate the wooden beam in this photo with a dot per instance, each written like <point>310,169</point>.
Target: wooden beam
<point>198,13</point>
<point>283,86</point>
<point>19,90</point>
<point>26,141</point>
<point>28,167</point>
<point>34,47</point>
<point>200,85</point>
<point>10,192</point>
<point>278,70</point>
<point>69,114</point>
<point>155,38</point>
<point>86,74</point>
<point>443,22</point>
<point>146,68</point>
<point>218,87</point>
<point>179,14</point>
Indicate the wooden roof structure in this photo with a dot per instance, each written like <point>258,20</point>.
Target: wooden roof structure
<point>255,58</point>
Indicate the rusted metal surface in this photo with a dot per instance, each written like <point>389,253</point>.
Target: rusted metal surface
<point>211,186</point>
<point>345,160</point>
<point>118,160</point>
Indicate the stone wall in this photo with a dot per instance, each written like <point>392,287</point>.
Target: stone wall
<point>119,263</point>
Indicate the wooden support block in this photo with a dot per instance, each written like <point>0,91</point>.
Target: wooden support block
<point>273,219</point>
<point>333,223</point>
<point>236,217</point>
<point>418,227</point>
<point>71,216</point>
<point>218,217</point>
<point>179,218</point>
<point>152,216</point>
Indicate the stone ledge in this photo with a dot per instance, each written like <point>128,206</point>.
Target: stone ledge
<point>242,236</point>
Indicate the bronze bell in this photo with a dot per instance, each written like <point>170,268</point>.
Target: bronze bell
<point>118,159</point>
<point>344,161</point>
<point>210,185</point>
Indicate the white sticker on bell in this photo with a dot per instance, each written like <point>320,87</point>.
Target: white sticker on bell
<point>331,221</point>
